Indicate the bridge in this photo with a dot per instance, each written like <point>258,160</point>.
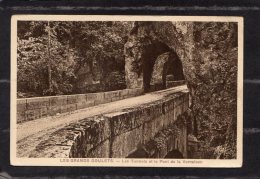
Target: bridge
<point>116,124</point>
<point>147,120</point>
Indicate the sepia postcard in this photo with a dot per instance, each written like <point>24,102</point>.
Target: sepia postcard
<point>126,91</point>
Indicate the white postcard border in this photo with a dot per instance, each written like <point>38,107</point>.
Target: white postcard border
<point>122,162</point>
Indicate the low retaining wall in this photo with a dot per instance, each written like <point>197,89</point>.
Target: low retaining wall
<point>156,87</point>
<point>39,107</point>
<point>170,84</point>
<point>117,134</point>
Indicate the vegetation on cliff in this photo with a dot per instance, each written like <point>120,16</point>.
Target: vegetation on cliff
<point>66,48</point>
<point>214,87</point>
<point>208,51</point>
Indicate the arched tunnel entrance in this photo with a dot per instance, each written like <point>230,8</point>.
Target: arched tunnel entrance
<point>149,56</point>
<point>149,59</point>
<point>159,61</point>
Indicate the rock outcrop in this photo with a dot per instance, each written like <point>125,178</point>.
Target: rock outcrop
<point>147,41</point>
<point>108,75</point>
<point>133,52</point>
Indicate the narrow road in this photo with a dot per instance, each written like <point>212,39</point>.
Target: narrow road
<point>30,133</point>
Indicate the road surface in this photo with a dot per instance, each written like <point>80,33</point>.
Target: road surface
<point>31,133</point>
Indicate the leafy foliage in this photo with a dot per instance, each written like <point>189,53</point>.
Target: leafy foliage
<point>72,45</point>
<point>33,60</point>
<point>214,86</point>
<point>208,51</point>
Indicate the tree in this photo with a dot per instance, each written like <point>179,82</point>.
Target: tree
<point>50,54</point>
<point>49,57</point>
<point>39,48</point>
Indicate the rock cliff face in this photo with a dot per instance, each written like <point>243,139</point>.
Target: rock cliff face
<point>87,81</point>
<point>207,55</point>
<point>133,52</point>
<point>144,50</point>
<point>107,75</point>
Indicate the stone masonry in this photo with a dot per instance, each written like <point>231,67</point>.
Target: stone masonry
<point>120,133</point>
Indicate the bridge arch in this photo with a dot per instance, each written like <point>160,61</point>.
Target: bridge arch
<point>174,154</point>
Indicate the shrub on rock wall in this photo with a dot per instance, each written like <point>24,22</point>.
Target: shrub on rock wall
<point>214,102</point>
<point>211,72</point>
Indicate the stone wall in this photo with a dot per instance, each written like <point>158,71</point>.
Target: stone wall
<point>40,107</point>
<point>174,137</point>
<point>121,133</point>
<point>170,84</point>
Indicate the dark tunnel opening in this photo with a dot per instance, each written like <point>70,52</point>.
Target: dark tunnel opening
<point>172,67</point>
<point>151,52</point>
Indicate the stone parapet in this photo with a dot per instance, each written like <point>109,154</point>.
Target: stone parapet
<point>118,134</point>
<point>40,107</point>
